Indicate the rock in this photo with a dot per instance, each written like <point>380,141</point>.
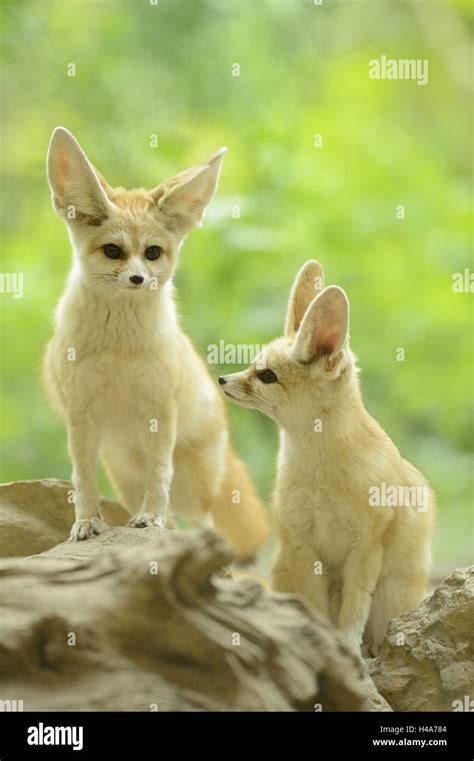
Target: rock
<point>36,515</point>
<point>426,662</point>
<point>110,625</point>
<point>374,700</point>
<point>82,620</point>
<point>117,538</point>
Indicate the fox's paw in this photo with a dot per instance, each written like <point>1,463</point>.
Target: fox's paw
<point>87,527</point>
<point>143,520</point>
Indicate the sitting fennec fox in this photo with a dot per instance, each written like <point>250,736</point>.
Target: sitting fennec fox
<point>119,369</point>
<point>359,564</point>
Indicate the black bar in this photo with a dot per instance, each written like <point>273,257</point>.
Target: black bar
<point>304,735</point>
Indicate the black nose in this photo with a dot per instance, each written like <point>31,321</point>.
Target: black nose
<point>222,380</point>
<point>137,279</point>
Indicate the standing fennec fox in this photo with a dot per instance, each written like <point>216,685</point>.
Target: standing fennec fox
<point>358,563</point>
<point>119,369</point>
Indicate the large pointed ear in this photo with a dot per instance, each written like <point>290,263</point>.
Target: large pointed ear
<point>78,190</point>
<point>325,326</point>
<point>308,283</point>
<point>182,199</point>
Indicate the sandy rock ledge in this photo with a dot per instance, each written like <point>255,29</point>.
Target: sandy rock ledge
<point>156,627</point>
<point>426,662</point>
<point>148,619</point>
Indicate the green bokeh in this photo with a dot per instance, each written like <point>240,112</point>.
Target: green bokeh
<point>167,69</point>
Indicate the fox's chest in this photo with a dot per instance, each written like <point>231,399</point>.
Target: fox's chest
<point>113,386</point>
<point>317,521</point>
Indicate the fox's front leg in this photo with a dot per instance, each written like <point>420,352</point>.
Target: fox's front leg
<point>83,448</point>
<point>360,575</point>
<point>161,437</point>
<point>302,574</point>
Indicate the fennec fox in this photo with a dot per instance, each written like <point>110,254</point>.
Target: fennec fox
<point>355,518</point>
<point>119,369</point>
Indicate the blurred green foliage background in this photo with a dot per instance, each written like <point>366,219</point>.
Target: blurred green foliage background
<point>167,69</point>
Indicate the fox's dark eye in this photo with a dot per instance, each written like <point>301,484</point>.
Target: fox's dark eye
<point>113,251</point>
<point>152,252</point>
<point>267,376</point>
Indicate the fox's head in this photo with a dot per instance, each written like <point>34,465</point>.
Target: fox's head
<point>125,241</point>
<point>304,372</point>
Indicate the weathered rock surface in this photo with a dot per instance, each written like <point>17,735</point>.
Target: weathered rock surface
<point>427,659</point>
<point>36,515</point>
<point>118,538</point>
<point>91,627</point>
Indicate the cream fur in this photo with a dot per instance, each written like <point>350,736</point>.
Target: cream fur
<point>375,560</point>
<point>121,372</point>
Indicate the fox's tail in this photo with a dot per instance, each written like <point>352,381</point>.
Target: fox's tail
<point>237,511</point>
